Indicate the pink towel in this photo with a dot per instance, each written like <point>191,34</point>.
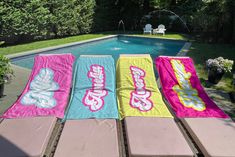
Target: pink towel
<point>183,90</point>
<point>47,91</point>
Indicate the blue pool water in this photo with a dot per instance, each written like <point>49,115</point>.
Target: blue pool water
<point>114,46</point>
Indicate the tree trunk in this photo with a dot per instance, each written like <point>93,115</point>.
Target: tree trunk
<point>1,89</point>
<point>146,6</point>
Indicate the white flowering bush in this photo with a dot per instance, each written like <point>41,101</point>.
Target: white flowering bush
<point>219,64</point>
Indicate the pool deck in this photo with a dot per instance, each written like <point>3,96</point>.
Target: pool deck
<point>14,88</point>
<point>185,49</point>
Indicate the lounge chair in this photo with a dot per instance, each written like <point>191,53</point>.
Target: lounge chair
<point>212,130</point>
<point>34,117</point>
<point>148,29</point>
<point>160,30</point>
<point>150,128</point>
<point>90,128</point>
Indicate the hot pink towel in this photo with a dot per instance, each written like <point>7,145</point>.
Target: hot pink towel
<point>183,90</point>
<point>47,91</point>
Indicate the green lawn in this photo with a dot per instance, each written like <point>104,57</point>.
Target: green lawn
<point>201,52</point>
<point>168,35</point>
<point>46,43</point>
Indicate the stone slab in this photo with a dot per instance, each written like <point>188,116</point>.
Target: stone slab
<point>88,138</point>
<point>25,137</point>
<point>155,137</point>
<point>215,137</point>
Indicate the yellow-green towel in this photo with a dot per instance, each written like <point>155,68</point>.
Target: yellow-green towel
<point>137,90</point>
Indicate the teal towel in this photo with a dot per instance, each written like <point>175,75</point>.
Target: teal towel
<point>93,94</point>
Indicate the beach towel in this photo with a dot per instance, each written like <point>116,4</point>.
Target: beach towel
<point>48,88</point>
<point>137,90</point>
<point>93,94</point>
<point>183,90</point>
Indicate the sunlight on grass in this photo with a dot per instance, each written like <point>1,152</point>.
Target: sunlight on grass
<point>201,52</point>
<point>166,36</point>
<point>46,43</point>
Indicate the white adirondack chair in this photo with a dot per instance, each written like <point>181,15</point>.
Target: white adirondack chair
<point>148,29</point>
<point>160,29</point>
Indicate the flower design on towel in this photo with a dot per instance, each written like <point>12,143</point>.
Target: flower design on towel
<point>42,90</point>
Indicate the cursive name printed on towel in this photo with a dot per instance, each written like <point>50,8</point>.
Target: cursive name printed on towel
<point>140,96</point>
<point>94,97</point>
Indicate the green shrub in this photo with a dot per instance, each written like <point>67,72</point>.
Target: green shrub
<point>20,20</point>
<point>5,69</point>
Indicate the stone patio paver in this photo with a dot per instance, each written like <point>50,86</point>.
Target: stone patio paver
<point>14,88</point>
<point>222,99</point>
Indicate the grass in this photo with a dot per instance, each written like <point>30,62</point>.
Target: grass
<point>167,36</point>
<point>201,52</point>
<point>46,43</point>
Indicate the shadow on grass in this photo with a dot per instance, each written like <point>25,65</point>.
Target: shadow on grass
<point>206,83</point>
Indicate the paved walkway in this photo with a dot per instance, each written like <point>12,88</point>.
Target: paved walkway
<point>14,89</point>
<point>222,99</point>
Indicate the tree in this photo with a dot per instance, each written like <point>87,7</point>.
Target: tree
<point>26,19</point>
<point>23,18</point>
<point>106,15</point>
<point>74,17</point>
<point>131,12</point>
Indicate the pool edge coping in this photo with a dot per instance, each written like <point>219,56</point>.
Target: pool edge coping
<point>25,53</point>
<point>185,49</point>
<point>19,67</point>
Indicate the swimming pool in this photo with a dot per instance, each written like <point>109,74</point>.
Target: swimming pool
<point>113,46</point>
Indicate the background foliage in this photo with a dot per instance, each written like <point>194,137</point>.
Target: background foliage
<point>39,19</point>
<point>25,20</point>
